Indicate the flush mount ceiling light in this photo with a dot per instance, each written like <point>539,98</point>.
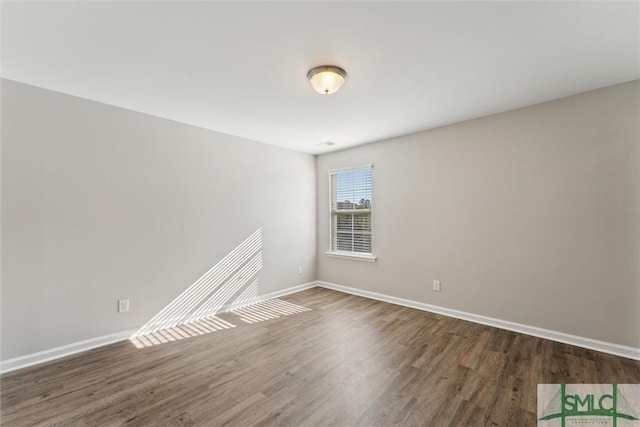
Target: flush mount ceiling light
<point>327,79</point>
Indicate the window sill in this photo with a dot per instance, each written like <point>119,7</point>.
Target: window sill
<point>352,256</point>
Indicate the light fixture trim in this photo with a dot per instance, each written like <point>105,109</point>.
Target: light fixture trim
<point>327,79</point>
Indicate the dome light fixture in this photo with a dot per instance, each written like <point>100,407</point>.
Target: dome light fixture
<point>327,79</point>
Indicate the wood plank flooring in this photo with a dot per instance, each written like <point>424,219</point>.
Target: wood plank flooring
<point>347,361</point>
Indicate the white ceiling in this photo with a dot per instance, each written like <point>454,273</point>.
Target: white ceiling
<point>240,68</point>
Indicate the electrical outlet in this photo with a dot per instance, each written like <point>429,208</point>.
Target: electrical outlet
<point>123,305</point>
<point>299,269</point>
<point>436,285</point>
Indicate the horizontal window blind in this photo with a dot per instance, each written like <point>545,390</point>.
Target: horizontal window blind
<point>351,204</point>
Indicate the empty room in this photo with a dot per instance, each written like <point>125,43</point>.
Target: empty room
<point>320,213</point>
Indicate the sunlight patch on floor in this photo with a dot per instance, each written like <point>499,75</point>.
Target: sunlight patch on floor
<point>267,310</point>
<point>194,328</point>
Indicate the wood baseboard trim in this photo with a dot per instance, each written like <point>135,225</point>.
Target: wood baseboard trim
<point>80,346</point>
<point>605,347</point>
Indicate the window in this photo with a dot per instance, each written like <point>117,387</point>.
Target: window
<point>350,216</point>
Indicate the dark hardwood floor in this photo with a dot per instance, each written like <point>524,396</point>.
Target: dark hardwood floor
<point>346,361</point>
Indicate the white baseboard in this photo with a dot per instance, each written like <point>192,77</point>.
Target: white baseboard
<point>62,351</point>
<point>78,347</point>
<point>605,347</point>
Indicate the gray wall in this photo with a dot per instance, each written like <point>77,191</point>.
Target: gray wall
<point>101,203</point>
<point>530,216</point>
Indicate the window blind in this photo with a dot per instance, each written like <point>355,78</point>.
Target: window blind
<point>351,203</point>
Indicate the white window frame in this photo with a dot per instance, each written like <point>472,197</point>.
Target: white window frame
<point>357,256</point>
